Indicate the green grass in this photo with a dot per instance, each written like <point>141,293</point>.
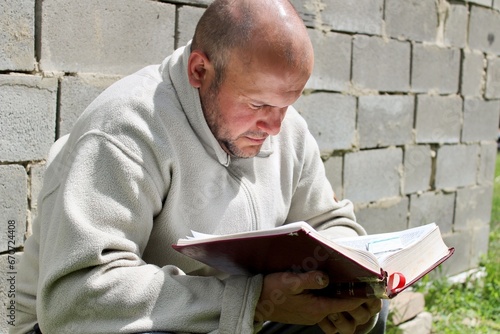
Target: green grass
<point>473,306</point>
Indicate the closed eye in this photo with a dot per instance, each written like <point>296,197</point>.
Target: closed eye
<point>256,106</point>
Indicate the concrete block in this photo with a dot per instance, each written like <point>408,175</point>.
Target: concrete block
<point>438,119</point>
<point>484,28</point>
<point>486,3</point>
<point>333,171</point>
<point>421,324</point>
<point>105,36</point>
<point>17,35</point>
<point>188,18</point>
<point>405,306</point>
<point>372,175</point>
<point>461,259</point>
<point>487,162</point>
<point>310,12</point>
<point>332,63</point>
<point>331,119</point>
<point>362,16</point>
<point>493,79</point>
<point>27,117</point>
<point>456,166</point>
<point>455,28</point>
<point>8,288</point>
<point>417,168</point>
<point>388,215</point>
<point>435,69</point>
<point>479,247</point>
<point>385,120</point>
<point>381,64</point>
<point>480,120</point>
<point>472,73</point>
<point>432,207</point>
<point>413,20</point>
<point>496,4</point>
<point>77,92</point>
<point>473,207</point>
<point>13,206</point>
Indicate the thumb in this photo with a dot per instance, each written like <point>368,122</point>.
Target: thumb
<point>311,280</point>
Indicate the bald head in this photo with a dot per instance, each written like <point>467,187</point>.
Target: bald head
<point>253,29</point>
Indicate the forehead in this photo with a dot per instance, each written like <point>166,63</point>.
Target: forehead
<point>266,76</point>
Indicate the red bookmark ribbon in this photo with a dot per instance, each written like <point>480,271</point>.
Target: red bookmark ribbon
<point>399,278</point>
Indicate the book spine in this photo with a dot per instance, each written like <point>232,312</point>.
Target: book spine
<point>373,289</point>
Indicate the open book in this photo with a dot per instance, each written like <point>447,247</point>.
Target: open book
<point>378,265</point>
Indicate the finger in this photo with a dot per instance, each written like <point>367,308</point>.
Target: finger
<point>374,306</point>
<point>365,312</point>
<point>311,280</point>
<point>343,322</point>
<point>327,326</point>
<point>360,315</point>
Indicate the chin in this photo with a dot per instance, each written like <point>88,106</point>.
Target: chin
<point>247,155</point>
<point>245,152</point>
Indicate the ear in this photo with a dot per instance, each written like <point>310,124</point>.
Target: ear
<point>198,68</point>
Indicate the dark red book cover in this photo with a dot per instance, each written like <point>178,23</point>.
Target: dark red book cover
<point>301,250</point>
<point>287,252</point>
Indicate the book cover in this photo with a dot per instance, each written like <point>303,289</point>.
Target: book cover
<point>298,247</point>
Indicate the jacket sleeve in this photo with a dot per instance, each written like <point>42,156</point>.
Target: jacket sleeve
<point>96,217</point>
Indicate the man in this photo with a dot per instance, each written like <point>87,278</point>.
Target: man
<point>206,141</point>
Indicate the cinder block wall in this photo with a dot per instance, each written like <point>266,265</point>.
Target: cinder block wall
<point>404,102</point>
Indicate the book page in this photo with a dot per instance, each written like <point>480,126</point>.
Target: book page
<point>384,244</point>
<point>417,258</point>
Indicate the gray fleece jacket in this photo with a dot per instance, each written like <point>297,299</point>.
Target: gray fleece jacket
<point>140,170</point>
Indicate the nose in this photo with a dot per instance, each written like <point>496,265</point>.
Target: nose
<point>270,121</point>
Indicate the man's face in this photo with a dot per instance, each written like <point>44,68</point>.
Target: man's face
<point>250,104</point>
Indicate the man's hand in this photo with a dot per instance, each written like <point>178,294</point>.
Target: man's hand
<point>348,321</point>
<point>287,298</point>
